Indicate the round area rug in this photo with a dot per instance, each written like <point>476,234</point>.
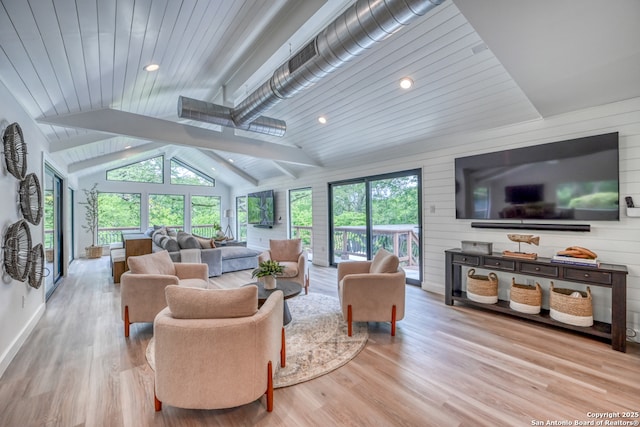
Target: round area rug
<point>316,338</point>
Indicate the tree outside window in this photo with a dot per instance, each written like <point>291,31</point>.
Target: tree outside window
<point>167,210</point>
<point>300,216</point>
<point>183,174</point>
<point>117,212</point>
<point>205,215</point>
<point>150,171</point>
<point>242,218</point>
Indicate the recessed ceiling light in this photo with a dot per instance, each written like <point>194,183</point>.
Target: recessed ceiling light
<point>406,83</point>
<point>151,67</point>
<point>230,160</point>
<point>127,147</point>
<point>213,168</point>
<point>322,119</point>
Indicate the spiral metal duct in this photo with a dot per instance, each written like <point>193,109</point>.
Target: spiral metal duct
<point>365,23</point>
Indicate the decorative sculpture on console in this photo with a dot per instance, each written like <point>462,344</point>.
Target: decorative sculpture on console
<point>522,238</point>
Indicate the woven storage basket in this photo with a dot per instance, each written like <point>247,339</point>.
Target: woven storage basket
<point>570,309</point>
<point>482,289</point>
<point>525,298</point>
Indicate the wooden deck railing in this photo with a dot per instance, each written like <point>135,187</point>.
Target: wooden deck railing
<point>402,240</point>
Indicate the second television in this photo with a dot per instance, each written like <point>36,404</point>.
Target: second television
<point>261,208</point>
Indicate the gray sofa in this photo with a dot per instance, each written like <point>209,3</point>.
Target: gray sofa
<point>222,259</point>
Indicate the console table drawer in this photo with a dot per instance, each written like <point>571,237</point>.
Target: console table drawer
<point>537,269</point>
<point>466,259</point>
<point>499,263</point>
<point>588,276</point>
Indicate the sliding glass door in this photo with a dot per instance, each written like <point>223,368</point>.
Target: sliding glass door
<point>349,232</point>
<point>381,211</point>
<point>301,218</point>
<point>53,226</point>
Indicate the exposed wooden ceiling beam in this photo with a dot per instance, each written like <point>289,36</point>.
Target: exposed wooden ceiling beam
<point>284,169</point>
<point>78,141</point>
<point>112,157</point>
<point>221,161</point>
<point>158,130</point>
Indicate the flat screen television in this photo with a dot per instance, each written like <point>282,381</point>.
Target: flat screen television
<point>576,179</point>
<point>261,208</point>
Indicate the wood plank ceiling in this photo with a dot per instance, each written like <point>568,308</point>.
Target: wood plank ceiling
<point>61,57</point>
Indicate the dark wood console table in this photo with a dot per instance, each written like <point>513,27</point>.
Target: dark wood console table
<point>607,275</point>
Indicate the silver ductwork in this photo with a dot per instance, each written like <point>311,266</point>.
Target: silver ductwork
<point>189,108</point>
<point>366,22</point>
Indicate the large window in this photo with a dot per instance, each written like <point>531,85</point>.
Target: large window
<point>300,216</point>
<point>183,174</point>
<point>167,210</point>
<point>370,213</point>
<point>205,215</point>
<point>150,171</point>
<point>117,212</point>
<point>241,218</point>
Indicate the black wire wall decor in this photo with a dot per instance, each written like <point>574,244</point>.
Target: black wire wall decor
<point>15,151</point>
<point>31,198</point>
<point>36,271</point>
<point>17,250</point>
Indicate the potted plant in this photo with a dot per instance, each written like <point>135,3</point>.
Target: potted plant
<point>91,218</point>
<point>267,271</point>
<point>219,235</point>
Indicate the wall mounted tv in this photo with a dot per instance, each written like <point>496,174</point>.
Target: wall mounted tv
<point>261,208</point>
<point>575,179</point>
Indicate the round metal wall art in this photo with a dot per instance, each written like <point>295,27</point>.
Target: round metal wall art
<point>31,198</point>
<point>15,151</point>
<point>17,250</point>
<point>36,272</point>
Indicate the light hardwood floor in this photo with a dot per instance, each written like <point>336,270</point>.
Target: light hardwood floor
<point>445,367</point>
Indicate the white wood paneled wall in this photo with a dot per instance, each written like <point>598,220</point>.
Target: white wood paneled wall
<point>615,242</point>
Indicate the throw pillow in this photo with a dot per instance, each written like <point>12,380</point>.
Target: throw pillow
<point>155,263</point>
<point>384,262</point>
<point>198,303</point>
<point>205,243</point>
<point>187,241</point>
<point>170,244</point>
<point>285,250</point>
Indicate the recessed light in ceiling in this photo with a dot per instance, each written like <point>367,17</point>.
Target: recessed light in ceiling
<point>230,160</point>
<point>322,120</point>
<point>406,83</point>
<point>127,147</point>
<point>151,67</point>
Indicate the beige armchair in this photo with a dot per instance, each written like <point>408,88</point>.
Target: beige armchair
<point>289,253</point>
<point>215,349</point>
<point>142,287</point>
<point>372,291</point>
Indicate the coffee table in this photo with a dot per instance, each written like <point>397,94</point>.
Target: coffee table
<point>289,289</point>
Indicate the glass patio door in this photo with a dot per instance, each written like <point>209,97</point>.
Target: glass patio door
<point>53,226</point>
<point>349,222</point>
<point>301,218</point>
<point>395,224</point>
<point>381,211</point>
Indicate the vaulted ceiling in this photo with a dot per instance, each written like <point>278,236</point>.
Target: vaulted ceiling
<point>76,67</point>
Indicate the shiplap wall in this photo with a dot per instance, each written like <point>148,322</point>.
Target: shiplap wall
<point>615,242</point>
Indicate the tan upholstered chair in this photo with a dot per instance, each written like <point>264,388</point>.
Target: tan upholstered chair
<point>142,287</point>
<point>215,349</point>
<point>372,291</point>
<point>289,253</point>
